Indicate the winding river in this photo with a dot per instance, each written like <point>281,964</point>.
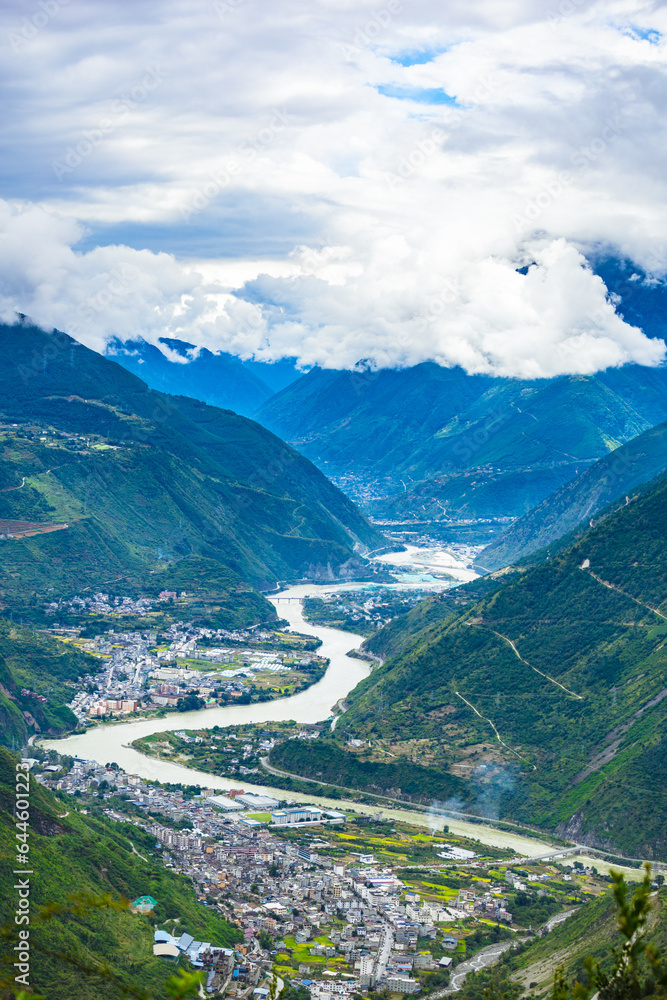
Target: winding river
<point>106,743</point>
<point>111,742</point>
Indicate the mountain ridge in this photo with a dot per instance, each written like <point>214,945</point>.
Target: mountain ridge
<point>631,466</point>
<point>544,699</point>
<point>218,378</point>
<point>143,479</point>
<point>434,443</point>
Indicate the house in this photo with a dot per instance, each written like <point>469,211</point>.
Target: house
<point>294,817</point>
<point>167,951</point>
<point>425,961</point>
<point>402,984</point>
<point>254,824</point>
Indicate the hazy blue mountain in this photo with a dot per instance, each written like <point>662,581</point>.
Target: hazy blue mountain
<point>641,302</point>
<point>276,374</point>
<point>220,379</point>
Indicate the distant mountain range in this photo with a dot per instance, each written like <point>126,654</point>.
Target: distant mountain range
<point>435,443</point>
<point>220,379</point>
<point>537,695</point>
<point>134,481</point>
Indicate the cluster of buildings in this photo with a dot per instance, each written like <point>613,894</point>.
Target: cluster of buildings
<point>485,904</point>
<point>112,706</point>
<point>102,604</point>
<point>343,926</point>
<point>27,693</point>
<point>135,673</point>
<point>371,925</point>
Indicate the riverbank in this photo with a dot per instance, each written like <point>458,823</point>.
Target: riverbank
<point>113,744</point>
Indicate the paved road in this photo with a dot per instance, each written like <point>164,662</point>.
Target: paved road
<point>384,952</point>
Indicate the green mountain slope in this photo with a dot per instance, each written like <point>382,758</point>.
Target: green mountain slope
<point>416,624</point>
<point>587,933</point>
<point>548,696</point>
<point>592,931</point>
<point>74,854</point>
<point>616,475</point>
<point>42,668</point>
<point>437,443</point>
<point>136,480</point>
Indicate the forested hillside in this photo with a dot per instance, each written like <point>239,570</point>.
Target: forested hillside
<point>34,674</point>
<point>104,479</point>
<point>76,855</point>
<point>547,697</point>
<point>612,478</point>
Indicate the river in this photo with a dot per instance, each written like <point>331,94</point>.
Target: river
<point>489,956</point>
<point>420,565</point>
<point>111,742</point>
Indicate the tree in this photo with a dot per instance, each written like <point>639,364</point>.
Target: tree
<point>623,982</point>
<point>265,940</point>
<point>190,703</point>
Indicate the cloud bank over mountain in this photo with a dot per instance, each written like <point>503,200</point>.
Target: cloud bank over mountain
<point>391,181</point>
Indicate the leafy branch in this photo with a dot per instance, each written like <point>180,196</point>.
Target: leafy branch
<point>623,982</point>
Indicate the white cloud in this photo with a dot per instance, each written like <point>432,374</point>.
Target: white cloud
<point>394,227</point>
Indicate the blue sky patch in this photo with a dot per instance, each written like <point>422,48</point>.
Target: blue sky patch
<point>417,58</point>
<point>643,34</point>
<point>422,95</point>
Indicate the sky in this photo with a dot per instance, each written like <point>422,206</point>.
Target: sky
<point>332,181</point>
